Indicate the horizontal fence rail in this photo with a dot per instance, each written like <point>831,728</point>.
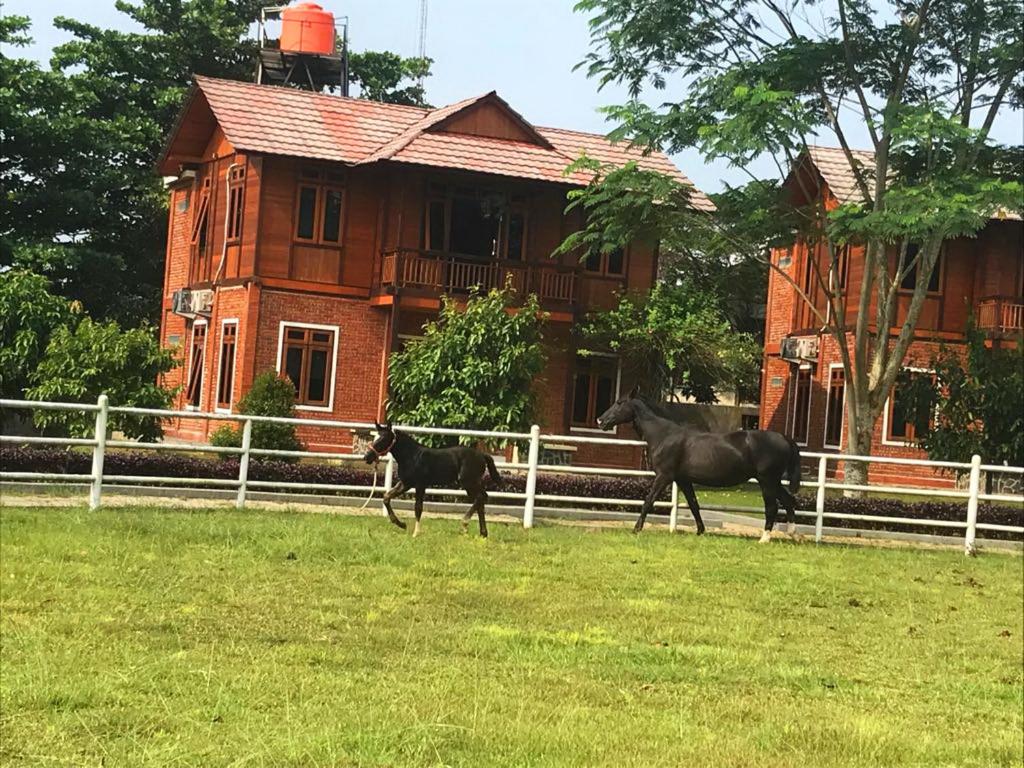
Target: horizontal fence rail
<point>532,467</point>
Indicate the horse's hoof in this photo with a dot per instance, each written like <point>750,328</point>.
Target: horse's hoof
<point>765,538</point>
<point>399,523</point>
<point>700,531</point>
<point>637,528</point>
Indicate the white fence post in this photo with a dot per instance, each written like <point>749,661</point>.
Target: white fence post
<point>673,515</point>
<point>243,463</point>
<point>819,504</point>
<point>98,452</point>
<point>973,489</point>
<point>531,475</point>
<point>389,473</point>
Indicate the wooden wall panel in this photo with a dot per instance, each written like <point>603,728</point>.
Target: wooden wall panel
<point>276,219</point>
<point>361,209</point>
<point>315,264</point>
<point>488,120</point>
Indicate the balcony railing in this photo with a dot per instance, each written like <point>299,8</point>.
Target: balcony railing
<point>434,272</point>
<point>1001,314</point>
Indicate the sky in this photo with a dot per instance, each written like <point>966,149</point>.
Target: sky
<point>526,51</point>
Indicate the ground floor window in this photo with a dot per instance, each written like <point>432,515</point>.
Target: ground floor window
<point>801,404</point>
<point>595,385</point>
<point>835,405</point>
<point>196,363</point>
<point>226,370</point>
<point>306,356</point>
<point>901,425</point>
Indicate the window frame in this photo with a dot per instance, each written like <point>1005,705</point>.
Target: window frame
<point>793,400</point>
<point>198,322</point>
<point>323,183</point>
<point>235,215</point>
<point>336,330</point>
<point>939,272</point>
<point>218,408</point>
<point>572,396</point>
<point>445,195</point>
<point>828,403</point>
<point>890,403</point>
<point>602,270</point>
<point>199,234</point>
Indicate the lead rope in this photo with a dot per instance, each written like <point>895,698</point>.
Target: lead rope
<point>373,490</point>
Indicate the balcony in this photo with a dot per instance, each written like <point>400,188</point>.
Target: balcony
<point>1001,315</point>
<point>431,274</point>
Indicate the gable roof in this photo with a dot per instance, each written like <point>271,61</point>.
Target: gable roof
<point>833,167</point>
<point>285,121</point>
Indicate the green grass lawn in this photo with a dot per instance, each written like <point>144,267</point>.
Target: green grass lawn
<point>144,637</point>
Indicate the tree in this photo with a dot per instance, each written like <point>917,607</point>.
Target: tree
<point>759,80</point>
<point>98,358</point>
<point>974,404</point>
<point>677,340</point>
<point>269,395</point>
<point>473,368</point>
<point>82,204</point>
<point>29,313</point>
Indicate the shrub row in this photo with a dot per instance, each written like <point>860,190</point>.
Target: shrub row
<point>152,463</point>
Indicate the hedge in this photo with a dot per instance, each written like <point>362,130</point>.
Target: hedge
<point>152,463</point>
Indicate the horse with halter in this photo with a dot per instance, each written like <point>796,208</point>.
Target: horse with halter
<point>683,455</point>
<point>420,467</point>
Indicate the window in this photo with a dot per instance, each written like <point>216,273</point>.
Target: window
<point>319,209</point>
<point>910,278</point>
<point>475,222</point>
<point>612,263</point>
<point>201,220</point>
<point>899,429</point>
<point>306,356</point>
<point>749,421</point>
<point>801,404</point>
<point>197,355</point>
<point>843,267</point>
<point>835,405</point>
<point>516,238</point>
<point>595,386</point>
<point>236,187</point>
<point>226,370</point>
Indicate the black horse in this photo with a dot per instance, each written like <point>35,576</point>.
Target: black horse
<point>686,456</point>
<point>420,467</point>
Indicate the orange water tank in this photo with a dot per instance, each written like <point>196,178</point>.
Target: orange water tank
<point>307,28</point>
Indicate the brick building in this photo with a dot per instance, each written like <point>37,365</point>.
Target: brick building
<point>311,234</point>
<point>803,386</point>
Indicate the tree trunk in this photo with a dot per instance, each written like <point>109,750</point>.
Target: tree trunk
<point>859,438</point>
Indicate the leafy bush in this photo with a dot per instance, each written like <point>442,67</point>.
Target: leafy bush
<point>99,358</point>
<point>55,460</point>
<point>269,395</point>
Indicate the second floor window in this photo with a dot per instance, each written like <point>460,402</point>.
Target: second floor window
<point>475,222</point>
<point>201,221</point>
<point>611,263</point>
<point>236,188</point>
<point>594,388</point>
<point>910,277</point>
<point>307,358</point>
<point>319,208</point>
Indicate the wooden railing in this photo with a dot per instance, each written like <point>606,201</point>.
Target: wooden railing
<point>1002,314</point>
<point>453,274</point>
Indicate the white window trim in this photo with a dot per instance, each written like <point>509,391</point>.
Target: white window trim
<point>885,414</point>
<point>334,360</point>
<point>234,364</point>
<point>191,351</point>
<point>828,400</point>
<point>618,389</point>
<point>810,400</point>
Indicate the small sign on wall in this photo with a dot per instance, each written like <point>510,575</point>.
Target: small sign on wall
<point>776,381</point>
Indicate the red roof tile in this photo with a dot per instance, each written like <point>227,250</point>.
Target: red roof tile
<point>285,121</point>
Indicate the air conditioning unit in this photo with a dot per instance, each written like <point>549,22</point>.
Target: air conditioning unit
<point>798,349</point>
<point>189,303</point>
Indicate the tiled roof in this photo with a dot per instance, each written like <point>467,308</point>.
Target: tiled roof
<point>285,121</point>
<point>835,169</point>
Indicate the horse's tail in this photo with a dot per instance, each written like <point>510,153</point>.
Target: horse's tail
<point>794,465</point>
<point>492,470</point>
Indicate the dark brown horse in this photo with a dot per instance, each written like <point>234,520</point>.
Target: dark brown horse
<point>686,456</point>
<point>420,468</point>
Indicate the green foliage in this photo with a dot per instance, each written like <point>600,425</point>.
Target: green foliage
<point>383,76</point>
<point>975,405</point>
<point>29,313</point>
<point>677,340</point>
<point>474,367</point>
<point>100,358</point>
<point>269,395</point>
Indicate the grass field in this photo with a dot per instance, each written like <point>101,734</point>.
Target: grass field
<point>144,637</point>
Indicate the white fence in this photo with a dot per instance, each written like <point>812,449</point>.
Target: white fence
<point>530,498</point>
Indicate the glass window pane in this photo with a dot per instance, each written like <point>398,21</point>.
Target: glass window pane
<point>516,230</point>
<point>332,216</point>
<point>322,337</point>
<point>435,224</point>
<point>605,395</point>
<point>293,366</point>
<point>581,399</point>
<point>474,230</point>
<point>307,207</point>
<point>593,262</point>
<point>317,387</point>
<point>616,261</point>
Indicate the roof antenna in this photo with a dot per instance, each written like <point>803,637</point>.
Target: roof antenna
<point>422,53</point>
